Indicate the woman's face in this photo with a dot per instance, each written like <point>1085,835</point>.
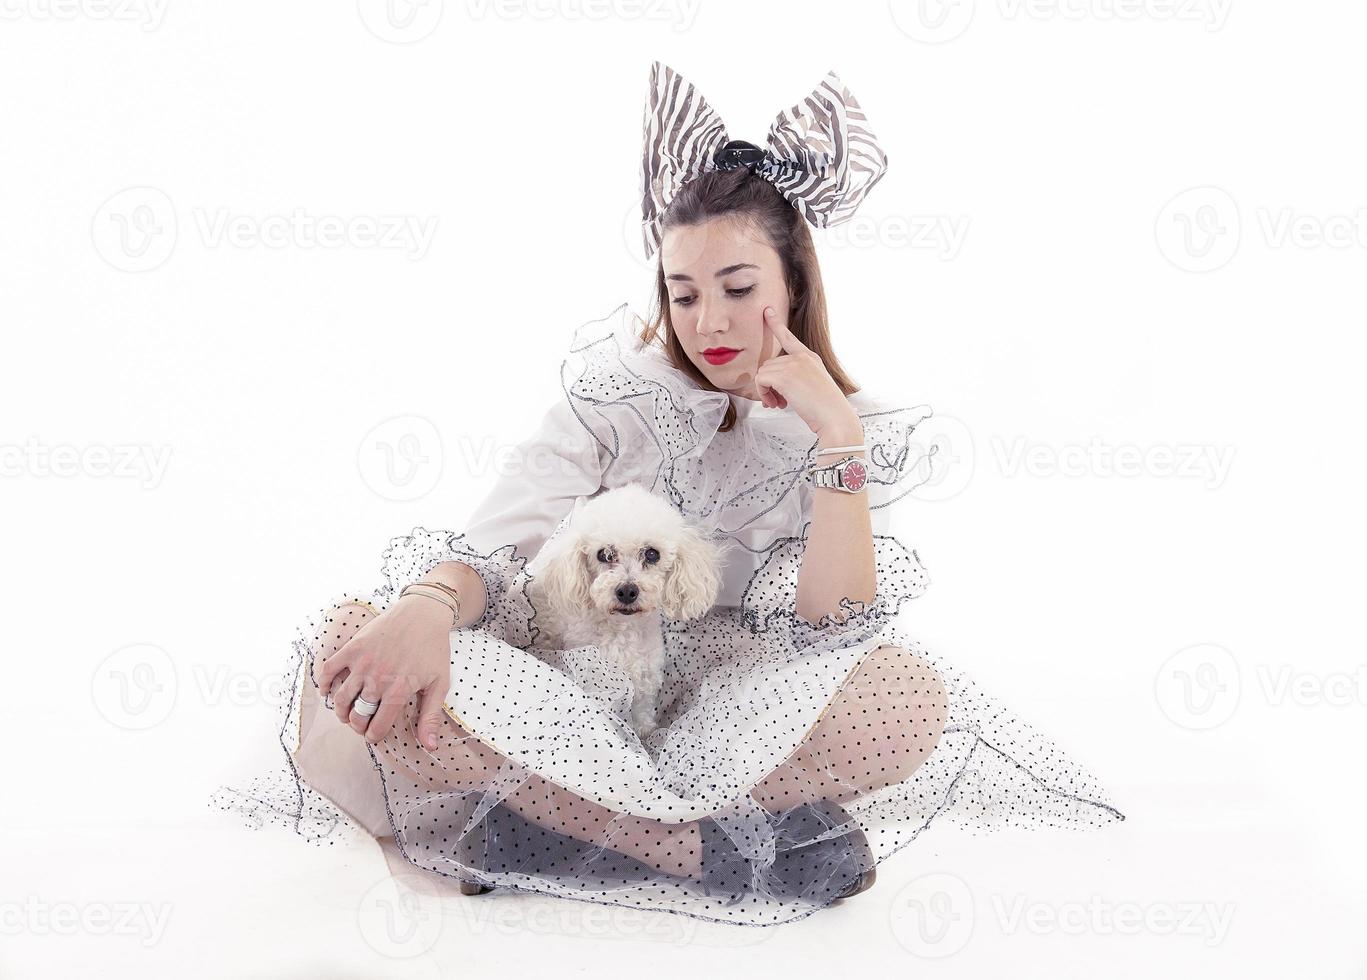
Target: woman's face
<point>720,278</point>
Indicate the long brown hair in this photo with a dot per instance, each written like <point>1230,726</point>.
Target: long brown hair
<point>740,195</point>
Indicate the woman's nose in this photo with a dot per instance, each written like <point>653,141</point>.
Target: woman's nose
<point>711,321</point>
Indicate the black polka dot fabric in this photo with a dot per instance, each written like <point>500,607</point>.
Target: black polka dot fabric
<point>792,757</point>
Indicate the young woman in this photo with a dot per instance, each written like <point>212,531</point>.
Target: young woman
<point>804,737</point>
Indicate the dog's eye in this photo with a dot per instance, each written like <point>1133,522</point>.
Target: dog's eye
<point>606,556</point>
<point>651,556</point>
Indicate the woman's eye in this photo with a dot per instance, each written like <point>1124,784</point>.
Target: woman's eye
<point>605,556</point>
<point>737,293</point>
<point>651,556</point>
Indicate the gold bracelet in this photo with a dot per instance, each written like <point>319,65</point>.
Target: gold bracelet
<point>415,588</point>
<point>455,596</point>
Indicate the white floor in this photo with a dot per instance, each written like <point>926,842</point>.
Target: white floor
<point>1260,899</point>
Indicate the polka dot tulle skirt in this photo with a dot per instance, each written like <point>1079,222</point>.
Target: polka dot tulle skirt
<point>791,757</point>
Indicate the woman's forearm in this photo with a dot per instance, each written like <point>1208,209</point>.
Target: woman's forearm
<point>838,561</point>
<point>468,585</point>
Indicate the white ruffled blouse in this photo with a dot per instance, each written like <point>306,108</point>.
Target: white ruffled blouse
<point>575,460</point>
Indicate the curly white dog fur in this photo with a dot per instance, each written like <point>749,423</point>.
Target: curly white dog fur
<point>626,556</point>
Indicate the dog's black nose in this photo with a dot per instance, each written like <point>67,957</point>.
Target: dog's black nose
<point>626,594</point>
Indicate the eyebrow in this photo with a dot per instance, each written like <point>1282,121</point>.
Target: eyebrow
<point>719,273</point>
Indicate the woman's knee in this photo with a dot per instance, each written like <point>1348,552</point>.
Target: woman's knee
<point>340,623</point>
<point>904,676</point>
<point>912,697</point>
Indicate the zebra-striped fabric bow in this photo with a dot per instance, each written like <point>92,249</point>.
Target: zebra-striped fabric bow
<point>820,154</point>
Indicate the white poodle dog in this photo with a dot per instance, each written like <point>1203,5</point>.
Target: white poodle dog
<point>626,556</point>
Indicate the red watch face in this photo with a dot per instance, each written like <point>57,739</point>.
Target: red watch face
<point>855,475</point>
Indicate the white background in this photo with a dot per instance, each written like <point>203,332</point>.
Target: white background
<point>1116,226</point>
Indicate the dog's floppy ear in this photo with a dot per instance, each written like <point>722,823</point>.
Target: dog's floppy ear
<point>693,581</point>
<point>565,576</point>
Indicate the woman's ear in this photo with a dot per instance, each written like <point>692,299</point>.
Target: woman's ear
<point>693,581</point>
<point>565,578</point>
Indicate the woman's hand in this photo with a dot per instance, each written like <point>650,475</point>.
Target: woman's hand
<point>406,650</point>
<point>796,375</point>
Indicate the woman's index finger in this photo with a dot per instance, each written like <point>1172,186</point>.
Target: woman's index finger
<point>787,340</point>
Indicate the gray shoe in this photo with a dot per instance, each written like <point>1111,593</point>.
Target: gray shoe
<point>805,869</point>
<point>505,842</point>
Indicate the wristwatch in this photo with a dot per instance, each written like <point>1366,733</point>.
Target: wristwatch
<point>849,474</point>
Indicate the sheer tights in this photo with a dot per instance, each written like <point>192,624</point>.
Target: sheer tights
<point>881,725</point>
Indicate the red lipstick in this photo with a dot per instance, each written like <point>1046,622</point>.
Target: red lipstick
<point>719,355</point>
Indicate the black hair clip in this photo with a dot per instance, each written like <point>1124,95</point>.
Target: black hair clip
<point>738,153</point>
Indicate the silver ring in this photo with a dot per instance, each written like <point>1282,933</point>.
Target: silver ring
<point>365,708</point>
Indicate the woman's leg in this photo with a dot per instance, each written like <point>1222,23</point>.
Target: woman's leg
<point>879,727</point>
<point>877,730</point>
<point>461,762</point>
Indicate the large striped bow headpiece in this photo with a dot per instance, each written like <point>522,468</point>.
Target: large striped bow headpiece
<point>820,154</point>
